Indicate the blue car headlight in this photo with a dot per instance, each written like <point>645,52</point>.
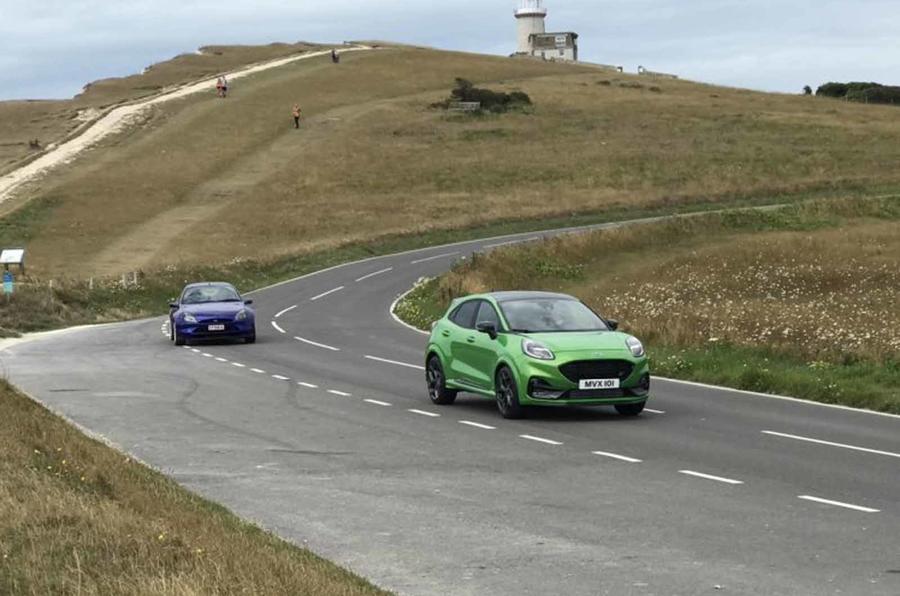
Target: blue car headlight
<point>241,316</point>
<point>189,318</point>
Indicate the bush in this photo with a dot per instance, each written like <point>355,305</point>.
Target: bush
<point>861,92</point>
<point>496,102</point>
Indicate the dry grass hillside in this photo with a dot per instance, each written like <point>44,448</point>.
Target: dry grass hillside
<point>48,121</point>
<point>210,181</point>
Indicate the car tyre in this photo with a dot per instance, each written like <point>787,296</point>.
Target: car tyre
<point>177,337</point>
<point>630,409</point>
<point>250,339</point>
<point>507,391</point>
<point>437,383</point>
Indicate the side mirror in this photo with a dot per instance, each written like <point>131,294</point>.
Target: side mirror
<point>612,324</point>
<point>248,302</point>
<point>173,304</point>
<point>488,328</point>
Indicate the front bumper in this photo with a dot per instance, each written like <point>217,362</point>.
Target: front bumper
<point>233,330</point>
<point>545,384</point>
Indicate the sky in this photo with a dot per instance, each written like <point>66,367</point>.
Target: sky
<point>51,48</point>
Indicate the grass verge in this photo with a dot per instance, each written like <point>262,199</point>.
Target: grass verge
<point>798,301</point>
<point>40,305</point>
<point>77,517</point>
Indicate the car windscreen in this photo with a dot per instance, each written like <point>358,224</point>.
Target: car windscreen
<point>204,294</point>
<point>538,315</point>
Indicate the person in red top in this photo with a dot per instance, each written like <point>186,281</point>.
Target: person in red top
<point>295,111</point>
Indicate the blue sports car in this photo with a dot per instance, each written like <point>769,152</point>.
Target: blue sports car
<point>211,310</point>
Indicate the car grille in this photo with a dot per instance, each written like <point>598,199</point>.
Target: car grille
<point>597,369</point>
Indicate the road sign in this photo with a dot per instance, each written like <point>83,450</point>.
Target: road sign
<point>8,282</point>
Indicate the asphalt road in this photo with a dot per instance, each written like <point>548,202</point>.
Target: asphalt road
<point>323,433</point>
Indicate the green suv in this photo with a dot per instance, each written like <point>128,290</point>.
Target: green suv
<point>534,349</point>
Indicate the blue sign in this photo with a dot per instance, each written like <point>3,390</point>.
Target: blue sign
<point>8,282</point>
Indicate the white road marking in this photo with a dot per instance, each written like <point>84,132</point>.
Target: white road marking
<point>654,411</point>
<point>281,377</point>
<point>710,477</point>
<point>195,350</point>
<point>434,258</point>
<point>376,402</point>
<point>830,444</point>
<point>187,347</point>
<point>630,460</point>
<point>838,504</point>
<point>207,355</point>
<point>336,392</point>
<point>258,371</point>
<point>385,360</point>
<point>509,242</point>
<point>805,402</point>
<point>477,425</point>
<point>317,344</point>
<point>220,359</point>
<point>308,385</point>
<point>424,413</point>
<point>277,328</point>
<point>287,310</point>
<point>239,365</point>
<point>393,307</point>
<point>323,294</point>
<point>540,440</point>
<point>365,277</point>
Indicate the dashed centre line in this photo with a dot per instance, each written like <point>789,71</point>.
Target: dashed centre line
<point>838,504</point>
<point>424,413</point>
<point>434,258</point>
<point>654,411</point>
<point>207,355</point>
<point>477,425</point>
<point>317,344</point>
<point>239,365</point>
<point>277,328</point>
<point>631,460</point>
<point>307,385</point>
<point>710,477</point>
<point>377,402</point>
<point>830,444</point>
<point>328,293</point>
<point>386,361</point>
<point>258,371</point>
<point>285,311</point>
<point>340,393</point>
<point>281,377</point>
<point>365,277</point>
<point>220,359</point>
<point>539,440</point>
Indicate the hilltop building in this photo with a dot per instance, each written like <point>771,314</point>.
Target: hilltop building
<point>534,40</point>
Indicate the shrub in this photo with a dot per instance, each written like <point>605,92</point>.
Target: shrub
<point>861,92</point>
<point>496,102</point>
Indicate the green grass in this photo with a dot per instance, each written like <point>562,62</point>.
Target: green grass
<point>799,300</point>
<point>79,518</point>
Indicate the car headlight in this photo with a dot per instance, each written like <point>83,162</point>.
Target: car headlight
<point>635,345</point>
<point>241,316</point>
<point>537,350</point>
<point>189,318</point>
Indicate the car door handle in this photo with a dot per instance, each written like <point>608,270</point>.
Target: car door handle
<point>471,339</point>
<point>445,333</point>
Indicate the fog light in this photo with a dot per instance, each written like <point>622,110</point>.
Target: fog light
<point>540,389</point>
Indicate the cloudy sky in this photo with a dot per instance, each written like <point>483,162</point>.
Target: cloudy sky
<point>52,47</point>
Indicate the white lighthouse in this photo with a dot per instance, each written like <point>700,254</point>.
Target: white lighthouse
<point>530,19</point>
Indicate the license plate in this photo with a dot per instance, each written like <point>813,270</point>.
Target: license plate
<point>216,327</point>
<point>598,384</point>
